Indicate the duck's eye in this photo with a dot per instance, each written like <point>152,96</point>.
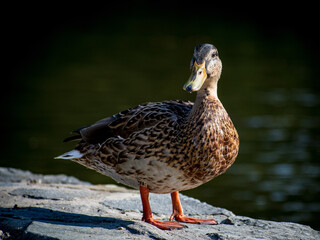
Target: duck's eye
<point>214,54</point>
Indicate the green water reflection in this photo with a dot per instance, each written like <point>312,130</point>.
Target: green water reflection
<point>267,86</point>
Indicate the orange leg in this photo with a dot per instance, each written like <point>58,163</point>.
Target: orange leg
<point>147,214</point>
<point>178,212</point>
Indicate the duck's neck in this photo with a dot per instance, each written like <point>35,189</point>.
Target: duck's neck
<point>205,112</point>
<point>208,92</point>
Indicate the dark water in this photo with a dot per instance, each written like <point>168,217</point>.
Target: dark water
<point>269,87</point>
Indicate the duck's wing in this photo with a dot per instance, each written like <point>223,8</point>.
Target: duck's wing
<point>134,120</point>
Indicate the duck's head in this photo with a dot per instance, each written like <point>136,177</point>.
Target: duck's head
<point>205,67</point>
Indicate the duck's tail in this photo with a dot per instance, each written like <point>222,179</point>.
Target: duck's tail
<point>70,155</point>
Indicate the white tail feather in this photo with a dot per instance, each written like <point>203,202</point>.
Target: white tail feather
<point>70,155</point>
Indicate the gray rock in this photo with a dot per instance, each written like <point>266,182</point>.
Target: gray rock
<point>8,175</point>
<point>34,206</point>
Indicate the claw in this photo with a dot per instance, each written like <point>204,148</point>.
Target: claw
<point>164,225</point>
<point>181,218</point>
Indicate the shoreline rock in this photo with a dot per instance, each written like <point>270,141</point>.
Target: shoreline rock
<point>34,206</point>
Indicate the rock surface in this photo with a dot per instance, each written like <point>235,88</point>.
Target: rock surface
<point>34,206</point>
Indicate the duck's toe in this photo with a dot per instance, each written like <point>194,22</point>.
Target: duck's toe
<point>164,225</point>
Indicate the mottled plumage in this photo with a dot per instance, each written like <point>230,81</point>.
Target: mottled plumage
<point>167,146</point>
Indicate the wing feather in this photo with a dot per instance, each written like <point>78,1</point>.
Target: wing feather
<point>133,120</point>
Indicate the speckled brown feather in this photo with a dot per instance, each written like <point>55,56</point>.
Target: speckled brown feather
<point>165,146</point>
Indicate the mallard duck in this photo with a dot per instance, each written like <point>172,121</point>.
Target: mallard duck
<point>165,147</point>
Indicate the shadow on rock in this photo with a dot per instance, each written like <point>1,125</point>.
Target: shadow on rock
<point>20,218</point>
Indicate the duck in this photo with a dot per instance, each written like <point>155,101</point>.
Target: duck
<point>165,147</point>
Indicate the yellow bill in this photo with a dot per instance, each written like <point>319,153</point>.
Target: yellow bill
<point>197,78</point>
